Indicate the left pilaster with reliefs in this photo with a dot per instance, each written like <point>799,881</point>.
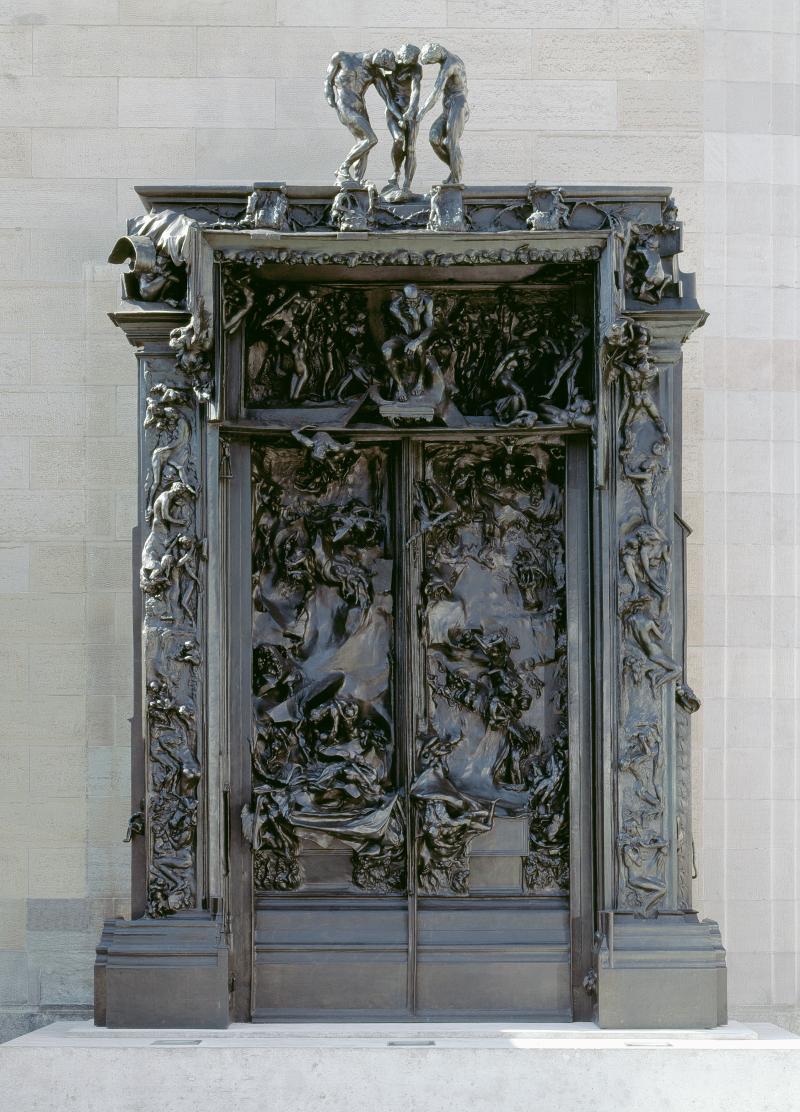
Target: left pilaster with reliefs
<point>170,965</point>
<point>171,579</point>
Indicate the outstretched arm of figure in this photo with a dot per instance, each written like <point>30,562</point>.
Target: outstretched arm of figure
<point>249,301</point>
<point>301,438</point>
<point>280,307</point>
<point>413,101</point>
<point>434,93</point>
<point>386,97</point>
<point>333,69</point>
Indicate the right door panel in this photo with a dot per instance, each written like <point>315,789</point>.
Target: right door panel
<point>490,785</point>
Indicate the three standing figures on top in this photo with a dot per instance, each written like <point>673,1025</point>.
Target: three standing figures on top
<point>397,76</point>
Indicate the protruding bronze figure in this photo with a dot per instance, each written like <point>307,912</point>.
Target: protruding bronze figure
<point>451,85</point>
<point>346,82</point>
<point>398,79</point>
<point>404,85</point>
<point>408,354</point>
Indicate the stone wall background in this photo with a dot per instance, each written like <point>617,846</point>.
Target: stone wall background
<point>744,576</point>
<point>97,94</point>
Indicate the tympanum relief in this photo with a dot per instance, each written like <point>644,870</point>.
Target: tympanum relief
<point>516,357</point>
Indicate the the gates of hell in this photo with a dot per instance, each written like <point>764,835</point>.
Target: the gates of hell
<point>414,730</point>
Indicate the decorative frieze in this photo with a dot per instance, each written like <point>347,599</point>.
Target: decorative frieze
<point>524,254</point>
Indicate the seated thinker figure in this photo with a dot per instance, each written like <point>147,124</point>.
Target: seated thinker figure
<point>408,355</point>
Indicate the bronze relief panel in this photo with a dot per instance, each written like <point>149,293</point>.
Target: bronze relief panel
<point>494,754</point>
<point>519,356</point>
<point>327,807</point>
<point>487,671</point>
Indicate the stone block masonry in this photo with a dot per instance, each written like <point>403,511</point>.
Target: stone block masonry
<point>98,94</point>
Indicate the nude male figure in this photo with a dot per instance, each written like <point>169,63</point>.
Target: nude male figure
<point>403,84</point>
<point>568,366</point>
<point>451,85</point>
<point>292,314</point>
<point>410,350</point>
<point>513,404</point>
<point>346,82</point>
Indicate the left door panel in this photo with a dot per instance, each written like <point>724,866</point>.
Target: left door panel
<point>327,821</point>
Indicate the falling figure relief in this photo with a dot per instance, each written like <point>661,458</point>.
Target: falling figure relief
<point>493,626</point>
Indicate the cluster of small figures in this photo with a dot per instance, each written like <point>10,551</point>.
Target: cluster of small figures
<point>397,76</point>
<point>325,773</point>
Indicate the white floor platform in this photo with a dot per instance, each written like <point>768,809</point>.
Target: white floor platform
<point>434,1067</point>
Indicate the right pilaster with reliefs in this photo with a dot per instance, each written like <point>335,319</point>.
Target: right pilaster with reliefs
<point>658,965</point>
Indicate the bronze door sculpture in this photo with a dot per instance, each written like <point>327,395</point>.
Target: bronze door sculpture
<point>414,720</point>
<point>410,821</point>
<point>410,746</point>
